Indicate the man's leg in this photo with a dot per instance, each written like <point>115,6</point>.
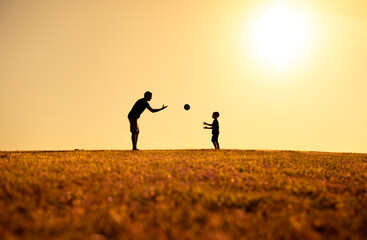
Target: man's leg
<point>133,139</point>
<point>134,129</point>
<point>136,141</point>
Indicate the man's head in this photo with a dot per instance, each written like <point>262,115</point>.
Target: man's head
<point>215,115</point>
<point>148,95</point>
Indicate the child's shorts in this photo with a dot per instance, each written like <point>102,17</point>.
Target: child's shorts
<point>215,137</point>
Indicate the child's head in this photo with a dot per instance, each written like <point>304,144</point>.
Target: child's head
<point>215,115</point>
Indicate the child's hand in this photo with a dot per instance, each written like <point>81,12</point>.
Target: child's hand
<point>205,127</point>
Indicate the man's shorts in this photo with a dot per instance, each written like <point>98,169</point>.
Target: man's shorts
<point>215,137</point>
<point>134,128</point>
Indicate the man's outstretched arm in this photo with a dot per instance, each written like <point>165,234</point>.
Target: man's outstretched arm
<point>156,110</point>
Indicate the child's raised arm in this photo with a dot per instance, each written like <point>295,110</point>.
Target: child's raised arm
<point>205,127</point>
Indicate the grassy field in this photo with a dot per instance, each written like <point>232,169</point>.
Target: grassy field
<point>183,194</point>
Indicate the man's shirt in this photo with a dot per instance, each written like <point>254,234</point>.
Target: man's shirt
<point>138,108</point>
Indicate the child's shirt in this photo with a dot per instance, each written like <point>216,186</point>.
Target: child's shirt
<point>215,127</point>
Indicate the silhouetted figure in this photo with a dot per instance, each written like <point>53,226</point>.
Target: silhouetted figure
<point>215,129</point>
<point>134,114</point>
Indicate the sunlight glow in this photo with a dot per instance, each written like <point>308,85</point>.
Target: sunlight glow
<point>280,34</point>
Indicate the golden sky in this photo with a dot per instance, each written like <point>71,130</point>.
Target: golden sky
<point>293,79</point>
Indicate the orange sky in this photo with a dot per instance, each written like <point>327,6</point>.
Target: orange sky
<point>70,72</point>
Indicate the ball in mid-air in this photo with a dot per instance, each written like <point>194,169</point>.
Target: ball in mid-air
<point>187,107</point>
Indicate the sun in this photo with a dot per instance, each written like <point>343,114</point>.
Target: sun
<point>279,35</point>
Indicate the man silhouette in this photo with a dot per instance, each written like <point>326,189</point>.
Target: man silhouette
<point>134,114</point>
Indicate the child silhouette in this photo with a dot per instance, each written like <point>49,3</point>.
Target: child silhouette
<point>215,129</point>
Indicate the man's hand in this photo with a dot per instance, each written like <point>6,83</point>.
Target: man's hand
<point>163,107</point>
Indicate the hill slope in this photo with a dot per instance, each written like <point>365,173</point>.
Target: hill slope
<point>183,194</point>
